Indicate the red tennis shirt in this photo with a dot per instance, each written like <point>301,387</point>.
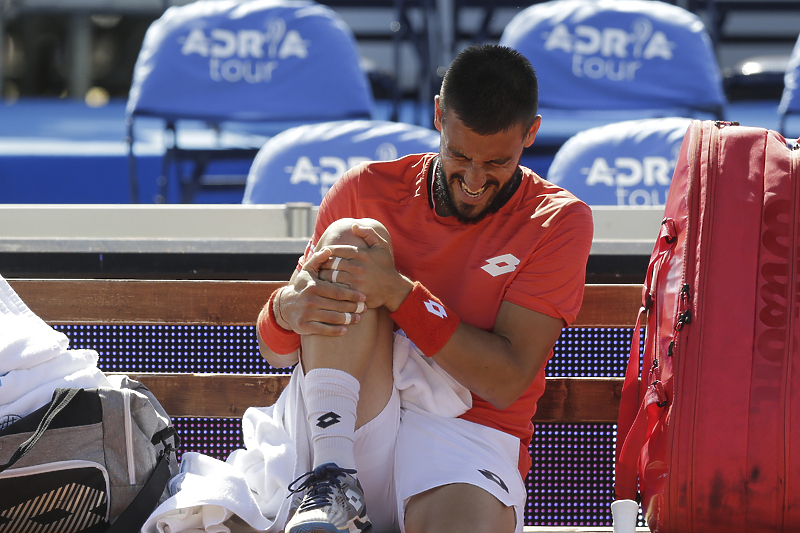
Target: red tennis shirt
<point>532,253</point>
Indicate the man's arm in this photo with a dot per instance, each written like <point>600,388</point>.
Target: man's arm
<point>499,366</point>
<point>305,304</point>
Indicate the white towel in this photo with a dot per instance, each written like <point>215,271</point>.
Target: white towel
<point>85,378</point>
<point>16,383</point>
<point>207,493</point>
<point>25,339</point>
<point>250,489</point>
<point>34,360</point>
<point>424,385</point>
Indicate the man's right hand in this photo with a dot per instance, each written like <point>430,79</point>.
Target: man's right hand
<point>310,305</point>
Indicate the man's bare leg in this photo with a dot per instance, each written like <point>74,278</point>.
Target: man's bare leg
<point>348,382</point>
<point>457,508</point>
<point>365,351</point>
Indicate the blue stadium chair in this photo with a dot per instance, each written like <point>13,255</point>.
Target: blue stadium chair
<point>301,163</point>
<point>223,63</point>
<point>605,56</point>
<point>626,163</point>
<point>790,100</point>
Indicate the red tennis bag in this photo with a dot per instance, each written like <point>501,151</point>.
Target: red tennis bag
<point>709,437</point>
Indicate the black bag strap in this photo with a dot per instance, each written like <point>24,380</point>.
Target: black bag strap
<point>138,511</point>
<point>61,398</point>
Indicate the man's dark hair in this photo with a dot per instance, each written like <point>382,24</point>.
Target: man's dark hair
<point>491,89</point>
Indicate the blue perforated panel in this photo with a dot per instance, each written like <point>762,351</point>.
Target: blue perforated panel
<point>571,481</point>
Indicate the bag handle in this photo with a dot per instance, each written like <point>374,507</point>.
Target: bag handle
<point>633,426</point>
<point>61,399</point>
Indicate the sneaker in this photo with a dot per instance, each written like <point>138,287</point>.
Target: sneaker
<point>333,502</point>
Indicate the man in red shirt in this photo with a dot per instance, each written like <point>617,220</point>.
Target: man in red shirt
<point>462,260</point>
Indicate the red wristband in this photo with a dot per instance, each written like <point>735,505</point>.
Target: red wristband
<point>279,340</point>
<point>425,320</point>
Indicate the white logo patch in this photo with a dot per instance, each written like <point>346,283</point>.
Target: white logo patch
<point>502,264</point>
<point>245,54</point>
<point>355,500</point>
<point>435,308</point>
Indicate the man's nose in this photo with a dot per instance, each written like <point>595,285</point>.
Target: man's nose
<point>474,178</point>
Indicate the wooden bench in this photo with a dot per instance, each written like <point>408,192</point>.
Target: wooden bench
<point>237,303</point>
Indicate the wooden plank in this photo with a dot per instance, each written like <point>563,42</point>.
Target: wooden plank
<point>577,399</point>
<point>566,400</point>
<point>611,306</point>
<point>233,303</point>
<point>212,395</point>
<point>145,302</point>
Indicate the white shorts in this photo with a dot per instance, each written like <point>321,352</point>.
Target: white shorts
<point>421,451</point>
<point>433,451</point>
<point>374,448</point>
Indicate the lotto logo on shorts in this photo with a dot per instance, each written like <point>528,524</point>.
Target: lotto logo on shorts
<point>494,477</point>
<point>435,308</point>
<point>502,264</point>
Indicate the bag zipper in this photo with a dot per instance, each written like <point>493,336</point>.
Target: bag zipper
<point>126,401</point>
<point>683,313</point>
<point>673,348</point>
<point>791,304</point>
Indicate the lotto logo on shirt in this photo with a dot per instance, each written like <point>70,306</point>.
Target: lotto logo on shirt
<point>502,264</point>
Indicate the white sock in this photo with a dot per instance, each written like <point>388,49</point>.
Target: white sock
<point>331,397</point>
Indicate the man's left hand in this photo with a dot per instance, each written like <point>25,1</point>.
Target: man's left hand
<point>369,270</point>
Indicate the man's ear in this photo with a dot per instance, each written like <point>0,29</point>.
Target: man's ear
<point>531,135</point>
<point>437,114</point>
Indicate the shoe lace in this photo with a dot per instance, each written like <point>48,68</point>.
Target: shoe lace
<point>319,483</point>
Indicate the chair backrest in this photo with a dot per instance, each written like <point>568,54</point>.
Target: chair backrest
<point>301,163</point>
<point>627,163</point>
<point>790,100</point>
<point>618,55</point>
<point>257,60</point>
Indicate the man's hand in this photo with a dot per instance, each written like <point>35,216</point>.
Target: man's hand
<point>369,271</point>
<point>311,305</point>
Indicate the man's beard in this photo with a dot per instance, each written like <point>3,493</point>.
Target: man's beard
<point>441,193</point>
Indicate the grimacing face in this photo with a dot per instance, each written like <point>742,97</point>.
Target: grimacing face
<point>476,171</point>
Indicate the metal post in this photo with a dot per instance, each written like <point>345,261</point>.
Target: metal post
<point>80,47</point>
<point>2,49</point>
<point>447,27</point>
<point>298,219</point>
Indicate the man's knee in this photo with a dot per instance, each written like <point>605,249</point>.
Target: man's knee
<point>341,232</point>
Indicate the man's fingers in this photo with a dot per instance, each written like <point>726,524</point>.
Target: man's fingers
<point>317,259</point>
<point>333,318</point>
<point>343,251</point>
<point>369,235</point>
<point>351,307</point>
<point>338,297</point>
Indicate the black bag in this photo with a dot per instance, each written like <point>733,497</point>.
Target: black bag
<point>88,459</point>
